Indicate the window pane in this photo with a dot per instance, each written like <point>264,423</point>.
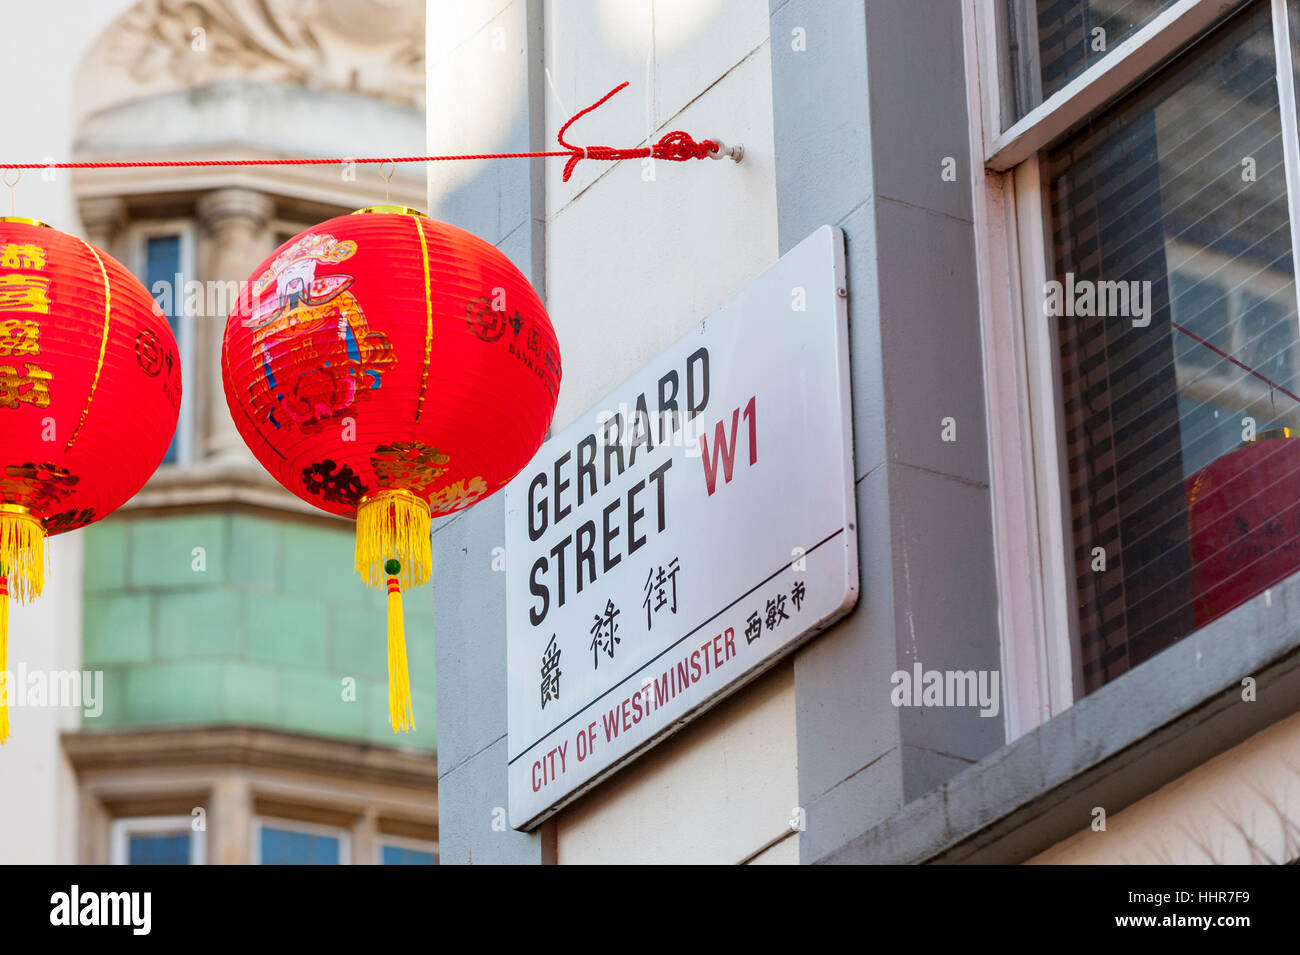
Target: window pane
<point>169,848</point>
<point>397,855</point>
<point>1170,209</point>
<point>290,847</point>
<point>1053,41</point>
<point>163,264</point>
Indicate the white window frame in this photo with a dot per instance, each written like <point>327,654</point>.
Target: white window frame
<point>1032,539</point>
<point>137,236</point>
<point>312,828</point>
<point>122,830</point>
<point>402,842</point>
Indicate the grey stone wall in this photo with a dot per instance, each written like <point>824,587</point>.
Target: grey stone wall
<point>865,116</point>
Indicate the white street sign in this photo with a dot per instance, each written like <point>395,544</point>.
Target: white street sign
<point>690,530</point>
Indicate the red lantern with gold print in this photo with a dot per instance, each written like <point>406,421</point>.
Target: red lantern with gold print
<point>1243,521</point>
<point>391,368</point>
<point>90,387</point>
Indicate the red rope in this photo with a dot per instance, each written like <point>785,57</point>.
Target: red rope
<point>1240,364</point>
<point>676,146</point>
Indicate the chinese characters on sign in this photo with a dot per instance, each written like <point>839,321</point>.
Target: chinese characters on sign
<point>776,611</point>
<point>657,583</point>
<point>550,672</point>
<point>603,634</point>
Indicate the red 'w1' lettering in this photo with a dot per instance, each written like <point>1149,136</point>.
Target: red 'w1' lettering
<point>727,449</point>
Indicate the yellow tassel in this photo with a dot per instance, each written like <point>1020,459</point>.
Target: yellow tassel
<point>4,659</point>
<point>400,715</point>
<point>393,545</point>
<point>22,575</point>
<point>22,551</point>
<point>393,523</point>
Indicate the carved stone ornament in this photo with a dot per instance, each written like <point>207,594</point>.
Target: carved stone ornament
<point>371,47</point>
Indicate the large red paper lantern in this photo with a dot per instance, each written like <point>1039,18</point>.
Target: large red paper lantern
<point>1244,522</point>
<point>389,368</point>
<point>90,386</point>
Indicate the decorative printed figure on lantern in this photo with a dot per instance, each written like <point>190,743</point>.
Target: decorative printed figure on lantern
<point>391,369</point>
<point>317,354</point>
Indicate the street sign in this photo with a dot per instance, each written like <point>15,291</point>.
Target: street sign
<point>678,539</point>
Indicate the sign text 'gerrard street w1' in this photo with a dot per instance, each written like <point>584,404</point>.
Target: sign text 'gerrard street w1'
<point>687,532</point>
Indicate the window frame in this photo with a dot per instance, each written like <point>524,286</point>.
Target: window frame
<point>123,828</point>
<point>1033,542</point>
<point>1122,69</point>
<point>403,842</point>
<point>138,234</point>
<point>258,822</point>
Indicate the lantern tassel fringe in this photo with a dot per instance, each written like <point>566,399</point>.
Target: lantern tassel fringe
<point>22,553</point>
<point>22,575</point>
<point>4,659</point>
<point>393,524</point>
<point>394,550</point>
<point>400,715</point>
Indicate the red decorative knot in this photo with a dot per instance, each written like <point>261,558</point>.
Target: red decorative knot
<point>676,146</point>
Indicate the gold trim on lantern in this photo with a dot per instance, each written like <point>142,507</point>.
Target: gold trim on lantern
<point>103,343</point>
<point>26,221</point>
<point>1272,433</point>
<point>390,492</point>
<point>428,307</point>
<point>390,210</point>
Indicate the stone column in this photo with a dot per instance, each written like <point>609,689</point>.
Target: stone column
<point>102,219</point>
<point>236,226</point>
<point>230,821</point>
<point>365,838</point>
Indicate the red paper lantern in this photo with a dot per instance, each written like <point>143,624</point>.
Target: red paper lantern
<point>90,386</point>
<point>390,368</point>
<point>1244,522</point>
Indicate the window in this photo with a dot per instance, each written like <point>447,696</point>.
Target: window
<point>1150,387</point>
<point>1053,41</point>
<point>280,842</point>
<point>1178,194</point>
<point>156,840</point>
<point>162,266</point>
<point>395,851</point>
<point>163,259</point>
